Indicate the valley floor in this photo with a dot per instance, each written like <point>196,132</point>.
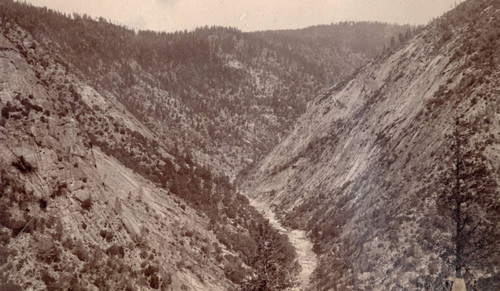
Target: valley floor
<point>303,246</point>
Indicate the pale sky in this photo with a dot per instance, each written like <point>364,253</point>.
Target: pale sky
<point>250,15</point>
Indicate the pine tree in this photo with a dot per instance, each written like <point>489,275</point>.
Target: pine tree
<point>470,199</point>
<point>274,261</point>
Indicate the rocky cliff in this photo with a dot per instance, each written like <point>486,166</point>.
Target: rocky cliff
<point>74,217</point>
<point>91,198</point>
<point>362,169</point>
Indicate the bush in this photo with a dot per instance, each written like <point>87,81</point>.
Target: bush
<point>37,108</point>
<point>115,250</point>
<point>150,271</point>
<point>6,112</point>
<point>22,165</point>
<point>49,254</point>
<point>154,282</point>
<point>43,203</point>
<point>234,272</point>
<point>107,235</point>
<point>59,190</point>
<point>167,279</point>
<point>87,204</point>
<point>80,252</point>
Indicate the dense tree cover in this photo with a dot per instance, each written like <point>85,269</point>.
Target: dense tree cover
<point>274,261</point>
<point>360,37</point>
<point>483,42</point>
<point>221,84</point>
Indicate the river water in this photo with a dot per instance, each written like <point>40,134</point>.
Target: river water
<point>303,246</point>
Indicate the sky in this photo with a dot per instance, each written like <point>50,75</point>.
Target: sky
<point>250,15</point>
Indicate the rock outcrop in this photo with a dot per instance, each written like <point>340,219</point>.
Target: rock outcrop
<point>362,168</point>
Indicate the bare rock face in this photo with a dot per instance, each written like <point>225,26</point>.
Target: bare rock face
<point>362,169</point>
<point>95,197</point>
<point>64,226</point>
<point>458,284</point>
<point>82,196</point>
<point>118,206</point>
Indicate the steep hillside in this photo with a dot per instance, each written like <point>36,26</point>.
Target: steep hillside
<point>71,209</point>
<point>92,199</point>
<point>366,170</point>
<point>226,96</point>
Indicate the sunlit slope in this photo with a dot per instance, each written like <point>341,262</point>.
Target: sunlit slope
<point>362,169</point>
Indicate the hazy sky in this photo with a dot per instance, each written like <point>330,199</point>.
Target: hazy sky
<point>250,15</point>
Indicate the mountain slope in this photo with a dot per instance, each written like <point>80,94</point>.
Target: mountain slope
<point>99,172</point>
<point>91,198</point>
<point>75,213</point>
<point>224,95</point>
<point>361,170</point>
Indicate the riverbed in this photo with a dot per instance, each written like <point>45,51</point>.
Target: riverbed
<point>303,246</point>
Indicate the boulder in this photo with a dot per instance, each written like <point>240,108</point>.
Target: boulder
<point>83,195</point>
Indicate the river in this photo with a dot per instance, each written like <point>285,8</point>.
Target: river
<point>303,246</point>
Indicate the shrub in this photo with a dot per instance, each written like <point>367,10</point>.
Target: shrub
<point>234,272</point>
<point>43,203</point>
<point>80,252</point>
<point>4,237</point>
<point>87,204</point>
<point>154,282</point>
<point>22,165</point>
<point>107,235</point>
<point>115,250</point>
<point>68,244</point>
<point>6,112</point>
<point>49,253</point>
<point>143,255</point>
<point>205,250</point>
<point>60,189</point>
<point>150,271</point>
<point>167,279</point>
<point>37,108</point>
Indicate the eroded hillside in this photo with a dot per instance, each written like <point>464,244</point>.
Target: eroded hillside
<point>118,147</point>
<point>225,96</point>
<point>362,169</point>
<point>90,198</point>
<point>78,217</point>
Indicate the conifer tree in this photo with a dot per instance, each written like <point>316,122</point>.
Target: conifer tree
<point>274,262</point>
<point>470,199</point>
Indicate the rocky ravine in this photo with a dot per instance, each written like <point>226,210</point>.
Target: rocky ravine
<point>361,171</point>
<point>303,246</point>
<point>78,211</point>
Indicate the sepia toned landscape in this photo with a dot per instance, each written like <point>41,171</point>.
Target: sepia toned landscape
<point>356,155</point>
